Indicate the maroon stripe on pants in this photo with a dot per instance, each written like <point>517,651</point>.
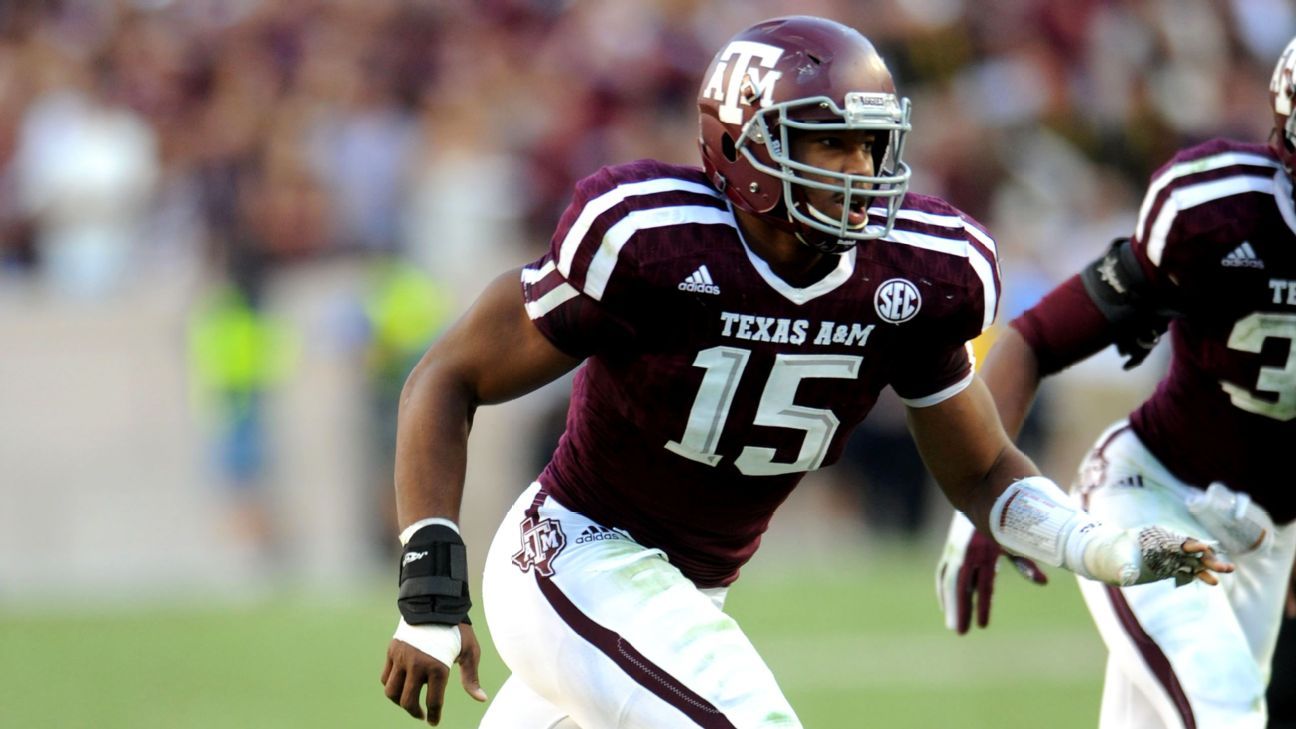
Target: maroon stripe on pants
<point>636,666</point>
<point>618,649</point>
<point>1153,656</point>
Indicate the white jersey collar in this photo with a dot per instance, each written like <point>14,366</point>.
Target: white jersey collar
<point>829,283</point>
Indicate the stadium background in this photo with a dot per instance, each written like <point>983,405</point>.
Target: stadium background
<point>216,217</point>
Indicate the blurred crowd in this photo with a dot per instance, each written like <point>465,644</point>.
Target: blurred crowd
<point>258,134</point>
<point>243,138</point>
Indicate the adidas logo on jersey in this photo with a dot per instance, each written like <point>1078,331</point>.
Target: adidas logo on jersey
<point>1244,256</point>
<point>699,282</point>
<point>596,533</point>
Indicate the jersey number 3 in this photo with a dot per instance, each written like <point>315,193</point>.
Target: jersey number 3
<point>1249,335</point>
<point>724,367</point>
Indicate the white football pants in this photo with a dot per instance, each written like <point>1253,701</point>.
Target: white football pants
<point>1179,657</point>
<point>603,633</point>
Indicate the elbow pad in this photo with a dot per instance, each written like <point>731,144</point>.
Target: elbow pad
<point>1122,292</point>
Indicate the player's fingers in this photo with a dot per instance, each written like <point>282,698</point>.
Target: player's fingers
<point>1208,558</point>
<point>436,685</point>
<point>387,669</point>
<point>410,689</point>
<point>395,688</point>
<point>468,673</point>
<point>985,592</point>
<point>1208,577</point>
<point>963,595</point>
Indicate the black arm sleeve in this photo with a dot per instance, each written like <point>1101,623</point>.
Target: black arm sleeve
<point>1138,310</point>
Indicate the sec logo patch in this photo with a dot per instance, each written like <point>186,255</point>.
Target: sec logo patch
<point>897,300</point>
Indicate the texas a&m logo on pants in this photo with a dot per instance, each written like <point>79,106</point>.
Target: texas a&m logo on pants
<point>541,542</point>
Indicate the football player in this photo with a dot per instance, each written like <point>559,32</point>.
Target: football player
<point>1213,259</point>
<point>734,322</point>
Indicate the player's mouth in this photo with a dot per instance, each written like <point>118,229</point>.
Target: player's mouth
<point>856,216</point>
<point>830,211</point>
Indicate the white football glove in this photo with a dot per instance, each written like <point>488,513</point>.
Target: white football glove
<point>442,642</point>
<point>1238,523</point>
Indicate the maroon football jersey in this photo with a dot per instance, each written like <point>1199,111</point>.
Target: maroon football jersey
<point>710,385</point>
<point>1218,223</point>
<point>1215,238</point>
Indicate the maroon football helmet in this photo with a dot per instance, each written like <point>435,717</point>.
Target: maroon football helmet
<point>802,73</point>
<point>1282,97</point>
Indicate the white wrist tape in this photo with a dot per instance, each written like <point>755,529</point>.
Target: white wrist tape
<point>1035,519</point>
<point>442,642</point>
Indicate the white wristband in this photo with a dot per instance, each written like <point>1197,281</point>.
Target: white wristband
<point>442,642</point>
<point>412,529</point>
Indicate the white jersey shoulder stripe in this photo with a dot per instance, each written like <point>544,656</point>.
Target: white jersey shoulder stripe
<point>985,271</point>
<point>605,258</point>
<point>950,246</point>
<point>610,199</point>
<point>953,222</point>
<point>1192,196</point>
<point>985,267</point>
<point>1192,167</point>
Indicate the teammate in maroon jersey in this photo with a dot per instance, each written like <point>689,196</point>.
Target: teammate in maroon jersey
<point>735,322</point>
<point>1213,258</point>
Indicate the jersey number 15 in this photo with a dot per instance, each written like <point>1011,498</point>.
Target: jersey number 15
<point>724,368</point>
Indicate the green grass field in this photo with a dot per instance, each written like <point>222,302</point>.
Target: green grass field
<point>853,644</point>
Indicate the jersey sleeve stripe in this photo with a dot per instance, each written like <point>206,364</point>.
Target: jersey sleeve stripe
<point>608,200</point>
<point>556,297</point>
<point>605,258</point>
<point>984,268</point>
<point>1192,196</point>
<point>534,275</point>
<point>1192,167</point>
<point>939,397</point>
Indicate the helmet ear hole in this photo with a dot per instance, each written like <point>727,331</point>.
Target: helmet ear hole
<point>727,148</point>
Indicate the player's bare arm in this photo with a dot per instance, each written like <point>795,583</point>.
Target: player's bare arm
<point>968,452</point>
<point>493,354</point>
<point>1000,490</point>
<point>1011,373</point>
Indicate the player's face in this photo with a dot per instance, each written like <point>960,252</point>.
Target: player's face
<point>842,151</point>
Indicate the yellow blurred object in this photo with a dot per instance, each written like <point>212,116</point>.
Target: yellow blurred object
<point>406,310</point>
<point>982,344</point>
<point>234,348</point>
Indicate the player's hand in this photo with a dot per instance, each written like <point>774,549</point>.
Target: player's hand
<point>1164,554</point>
<point>408,669</point>
<point>966,573</point>
<point>1208,563</point>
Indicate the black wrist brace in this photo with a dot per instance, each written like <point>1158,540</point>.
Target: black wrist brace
<point>434,578</point>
